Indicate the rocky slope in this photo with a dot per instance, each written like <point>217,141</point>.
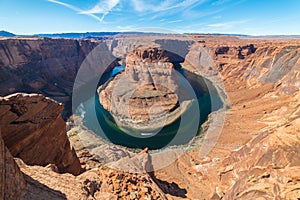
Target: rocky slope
<point>261,126</point>
<point>273,170</point>
<point>257,153</point>
<point>20,181</point>
<point>100,182</point>
<point>33,130</point>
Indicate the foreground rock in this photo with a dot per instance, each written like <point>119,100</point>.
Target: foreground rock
<point>20,181</point>
<point>12,183</point>
<point>33,130</point>
<point>98,183</point>
<point>145,95</point>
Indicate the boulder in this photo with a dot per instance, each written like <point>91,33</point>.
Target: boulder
<point>33,130</point>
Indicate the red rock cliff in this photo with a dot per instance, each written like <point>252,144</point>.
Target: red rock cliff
<point>33,130</point>
<point>47,66</point>
<point>12,183</point>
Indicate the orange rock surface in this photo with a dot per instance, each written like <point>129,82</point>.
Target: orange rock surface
<point>257,153</point>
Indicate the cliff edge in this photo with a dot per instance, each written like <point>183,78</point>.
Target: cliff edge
<point>33,130</point>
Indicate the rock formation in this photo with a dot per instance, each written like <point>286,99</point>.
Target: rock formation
<point>90,148</point>
<point>146,93</point>
<point>12,183</point>
<point>257,154</point>
<point>267,166</point>
<point>33,130</point>
<point>241,51</point>
<point>48,66</point>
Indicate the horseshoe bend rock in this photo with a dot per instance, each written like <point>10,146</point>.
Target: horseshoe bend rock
<point>145,94</point>
<point>33,129</point>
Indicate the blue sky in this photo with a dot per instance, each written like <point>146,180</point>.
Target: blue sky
<point>253,17</point>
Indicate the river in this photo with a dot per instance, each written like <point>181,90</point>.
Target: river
<point>179,132</point>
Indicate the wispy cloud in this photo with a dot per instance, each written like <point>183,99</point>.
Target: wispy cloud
<point>227,24</point>
<point>102,7</point>
<point>158,6</point>
<point>219,2</point>
<point>174,21</point>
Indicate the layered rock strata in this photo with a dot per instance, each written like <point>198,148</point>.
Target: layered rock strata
<point>257,154</point>
<point>145,95</point>
<point>50,66</point>
<point>12,183</point>
<point>33,130</point>
<point>261,129</point>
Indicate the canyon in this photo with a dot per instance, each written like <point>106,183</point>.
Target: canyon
<point>256,154</point>
<point>149,83</point>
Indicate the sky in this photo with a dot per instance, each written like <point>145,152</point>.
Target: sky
<point>251,17</point>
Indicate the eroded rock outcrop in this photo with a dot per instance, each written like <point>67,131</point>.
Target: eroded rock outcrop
<point>268,166</point>
<point>271,64</point>
<point>147,90</point>
<point>49,66</point>
<point>101,182</point>
<point>263,89</point>
<point>33,130</point>
<point>240,52</point>
<point>12,182</point>
<point>98,183</point>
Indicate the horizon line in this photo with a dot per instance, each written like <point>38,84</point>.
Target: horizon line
<point>149,32</point>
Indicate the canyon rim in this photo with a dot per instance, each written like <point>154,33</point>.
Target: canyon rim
<point>260,108</point>
<point>150,100</point>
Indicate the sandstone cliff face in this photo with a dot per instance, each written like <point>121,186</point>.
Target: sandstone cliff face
<point>49,66</point>
<point>268,166</point>
<point>33,130</point>
<point>262,62</point>
<point>261,129</point>
<point>263,116</point>
<point>20,181</point>
<point>278,65</point>
<point>46,66</point>
<point>239,52</point>
<point>37,64</point>
<point>253,62</point>
<point>12,183</point>
<point>153,55</point>
<point>101,182</point>
<point>146,89</point>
